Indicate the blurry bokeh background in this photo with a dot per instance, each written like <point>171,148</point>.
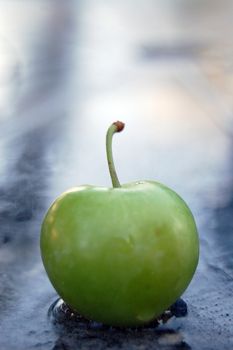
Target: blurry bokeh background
<point>68,69</point>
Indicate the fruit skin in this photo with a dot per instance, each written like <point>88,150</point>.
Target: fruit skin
<point>120,256</point>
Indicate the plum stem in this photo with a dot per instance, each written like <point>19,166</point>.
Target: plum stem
<point>115,127</point>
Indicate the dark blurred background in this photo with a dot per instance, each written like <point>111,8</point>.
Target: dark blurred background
<point>68,69</point>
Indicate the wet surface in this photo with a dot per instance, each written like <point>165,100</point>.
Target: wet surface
<point>67,70</point>
<point>60,313</point>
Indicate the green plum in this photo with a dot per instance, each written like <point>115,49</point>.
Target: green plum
<point>120,255</point>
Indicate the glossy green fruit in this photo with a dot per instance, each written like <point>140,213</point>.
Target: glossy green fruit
<point>120,255</point>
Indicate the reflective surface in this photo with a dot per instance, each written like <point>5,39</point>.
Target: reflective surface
<point>67,70</point>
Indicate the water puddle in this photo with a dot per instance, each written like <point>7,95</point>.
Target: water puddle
<point>60,313</point>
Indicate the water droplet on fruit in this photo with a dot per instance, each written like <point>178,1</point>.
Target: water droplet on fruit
<point>145,316</point>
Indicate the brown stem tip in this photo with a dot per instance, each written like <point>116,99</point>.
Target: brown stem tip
<point>120,126</point>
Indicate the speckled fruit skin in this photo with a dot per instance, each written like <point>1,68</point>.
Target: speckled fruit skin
<point>120,256</point>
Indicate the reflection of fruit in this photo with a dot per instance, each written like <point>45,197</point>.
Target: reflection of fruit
<point>119,255</point>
